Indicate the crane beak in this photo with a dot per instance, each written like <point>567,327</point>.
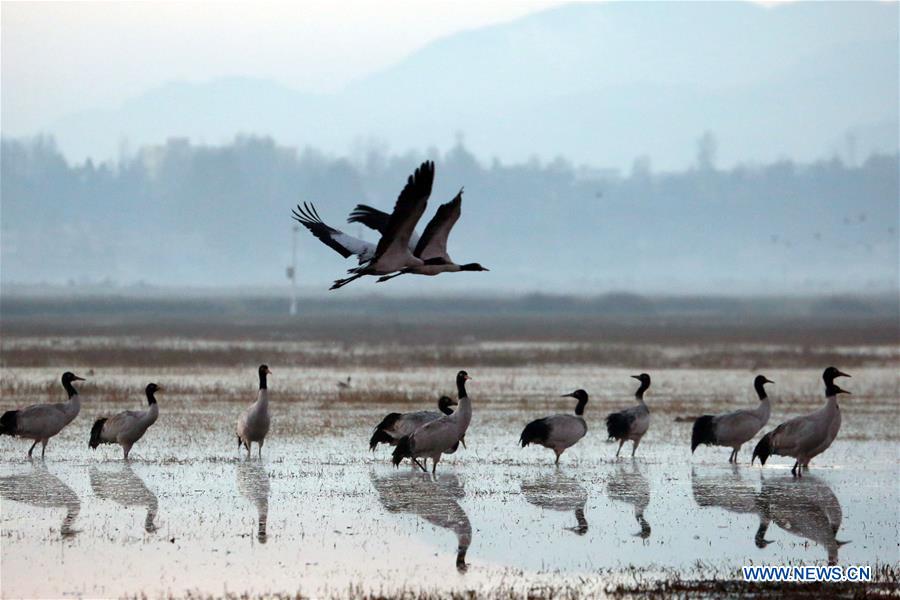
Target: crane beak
<point>159,388</point>
<point>77,378</point>
<point>468,378</point>
<point>572,395</point>
<point>268,371</point>
<point>842,374</point>
<point>840,391</point>
<point>767,380</point>
<point>638,377</point>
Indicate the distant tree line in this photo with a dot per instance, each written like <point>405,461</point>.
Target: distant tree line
<point>183,213</point>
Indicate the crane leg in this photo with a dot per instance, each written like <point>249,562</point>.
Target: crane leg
<point>558,454</point>
<point>634,446</point>
<point>416,460</point>
<point>32,447</point>
<point>43,447</point>
<point>260,444</point>
<point>621,443</point>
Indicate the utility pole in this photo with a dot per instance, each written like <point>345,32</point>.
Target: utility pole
<point>292,270</point>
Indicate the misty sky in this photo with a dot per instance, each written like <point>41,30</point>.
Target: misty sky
<point>59,58</point>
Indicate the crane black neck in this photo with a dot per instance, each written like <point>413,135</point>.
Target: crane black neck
<point>262,380</point>
<point>444,405</point>
<point>70,389</point>
<point>579,408</point>
<point>831,391</point>
<point>760,390</point>
<point>151,399</point>
<point>461,387</point>
<point>639,394</point>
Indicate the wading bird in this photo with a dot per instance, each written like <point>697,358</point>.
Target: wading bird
<point>392,253</point>
<point>40,422</point>
<point>558,432</point>
<point>441,436</point>
<point>805,437</point>
<point>253,424</point>
<point>631,423</point>
<point>397,425</point>
<point>128,426</point>
<point>736,428</point>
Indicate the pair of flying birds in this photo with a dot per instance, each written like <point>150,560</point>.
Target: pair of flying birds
<point>400,250</point>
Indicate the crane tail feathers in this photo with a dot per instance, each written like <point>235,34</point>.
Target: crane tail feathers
<point>380,436</point>
<point>763,449</point>
<point>403,450</point>
<point>704,432</point>
<point>9,422</point>
<point>535,432</point>
<point>96,430</point>
<point>617,426</point>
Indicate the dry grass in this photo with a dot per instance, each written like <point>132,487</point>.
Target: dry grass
<point>705,583</point>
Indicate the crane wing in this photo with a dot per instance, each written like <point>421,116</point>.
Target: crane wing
<point>343,244</point>
<point>407,211</point>
<point>433,243</point>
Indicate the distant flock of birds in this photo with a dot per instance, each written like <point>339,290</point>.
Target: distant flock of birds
<point>425,435</point>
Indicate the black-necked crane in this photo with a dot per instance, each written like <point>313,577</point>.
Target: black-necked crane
<point>805,437</point>
<point>558,432</point>
<point>736,428</point>
<point>438,437</point>
<point>392,253</point>
<point>432,246</point>
<point>127,427</point>
<point>397,425</point>
<point>631,423</point>
<point>253,424</point>
<point>40,422</point>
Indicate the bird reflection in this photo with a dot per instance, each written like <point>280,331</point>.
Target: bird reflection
<point>555,491</point>
<point>434,500</point>
<point>804,507</point>
<point>125,487</point>
<point>41,488</point>
<point>632,487</point>
<point>253,483</point>
<point>730,493</point>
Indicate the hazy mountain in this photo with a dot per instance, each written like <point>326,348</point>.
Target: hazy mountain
<point>597,83</point>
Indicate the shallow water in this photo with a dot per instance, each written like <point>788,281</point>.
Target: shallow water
<point>319,512</point>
